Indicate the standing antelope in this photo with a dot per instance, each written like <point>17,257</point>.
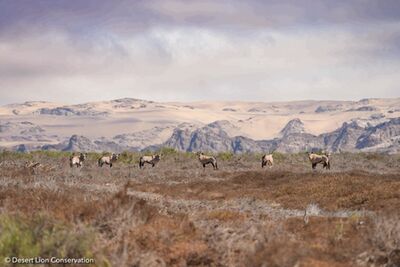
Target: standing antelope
<point>267,159</point>
<point>153,160</point>
<point>108,160</point>
<point>319,159</point>
<point>205,160</point>
<point>77,160</point>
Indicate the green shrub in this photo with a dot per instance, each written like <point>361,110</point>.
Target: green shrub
<point>167,151</point>
<point>94,156</point>
<point>225,155</point>
<point>50,154</point>
<point>129,157</point>
<point>11,155</point>
<point>44,237</point>
<point>16,239</point>
<point>279,157</point>
<point>188,155</point>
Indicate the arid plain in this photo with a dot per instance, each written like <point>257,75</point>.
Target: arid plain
<point>177,214</point>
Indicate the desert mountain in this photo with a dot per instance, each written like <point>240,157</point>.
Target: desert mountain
<point>293,127</point>
<point>134,124</point>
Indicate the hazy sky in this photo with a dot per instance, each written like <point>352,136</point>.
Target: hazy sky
<point>77,51</point>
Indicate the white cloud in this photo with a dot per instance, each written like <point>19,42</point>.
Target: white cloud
<point>193,63</point>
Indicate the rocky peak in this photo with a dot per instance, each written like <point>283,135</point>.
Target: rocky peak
<point>79,143</point>
<point>294,126</point>
<point>383,134</point>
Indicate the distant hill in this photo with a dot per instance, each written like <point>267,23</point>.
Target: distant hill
<point>239,127</point>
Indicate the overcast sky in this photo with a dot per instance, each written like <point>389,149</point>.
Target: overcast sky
<point>76,51</point>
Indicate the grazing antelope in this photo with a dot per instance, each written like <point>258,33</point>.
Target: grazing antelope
<point>267,159</point>
<point>153,160</point>
<point>77,160</point>
<point>319,159</point>
<point>31,166</point>
<point>204,160</point>
<point>108,160</point>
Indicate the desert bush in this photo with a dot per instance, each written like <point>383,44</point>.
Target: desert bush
<point>167,151</point>
<point>127,157</point>
<point>256,156</point>
<point>225,156</point>
<point>50,154</point>
<point>94,156</point>
<point>42,236</point>
<point>248,157</point>
<point>387,232</point>
<point>225,215</point>
<point>9,155</point>
<point>16,239</point>
<point>187,155</point>
<point>279,157</point>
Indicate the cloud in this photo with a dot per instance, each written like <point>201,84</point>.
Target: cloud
<point>75,52</point>
<point>127,17</point>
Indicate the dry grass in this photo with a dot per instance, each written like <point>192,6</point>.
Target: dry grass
<point>187,216</point>
<point>226,216</point>
<point>332,191</point>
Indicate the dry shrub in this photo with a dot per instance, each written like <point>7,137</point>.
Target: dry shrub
<point>332,191</point>
<point>386,233</point>
<point>68,204</point>
<point>225,215</point>
<point>130,228</point>
<point>95,203</point>
<point>383,238</point>
<point>239,242</point>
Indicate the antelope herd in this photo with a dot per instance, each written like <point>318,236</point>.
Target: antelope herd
<point>266,160</point>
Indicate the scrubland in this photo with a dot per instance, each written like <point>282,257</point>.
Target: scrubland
<point>178,214</point>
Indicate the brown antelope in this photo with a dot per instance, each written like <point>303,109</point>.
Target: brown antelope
<point>319,159</point>
<point>267,159</point>
<point>77,160</point>
<point>108,160</point>
<point>205,160</point>
<point>153,160</point>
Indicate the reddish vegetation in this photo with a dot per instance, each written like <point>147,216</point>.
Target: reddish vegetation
<point>175,226</point>
<point>350,190</point>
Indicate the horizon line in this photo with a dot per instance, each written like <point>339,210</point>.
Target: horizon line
<point>200,101</point>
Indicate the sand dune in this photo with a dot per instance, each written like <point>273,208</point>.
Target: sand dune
<point>256,120</point>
